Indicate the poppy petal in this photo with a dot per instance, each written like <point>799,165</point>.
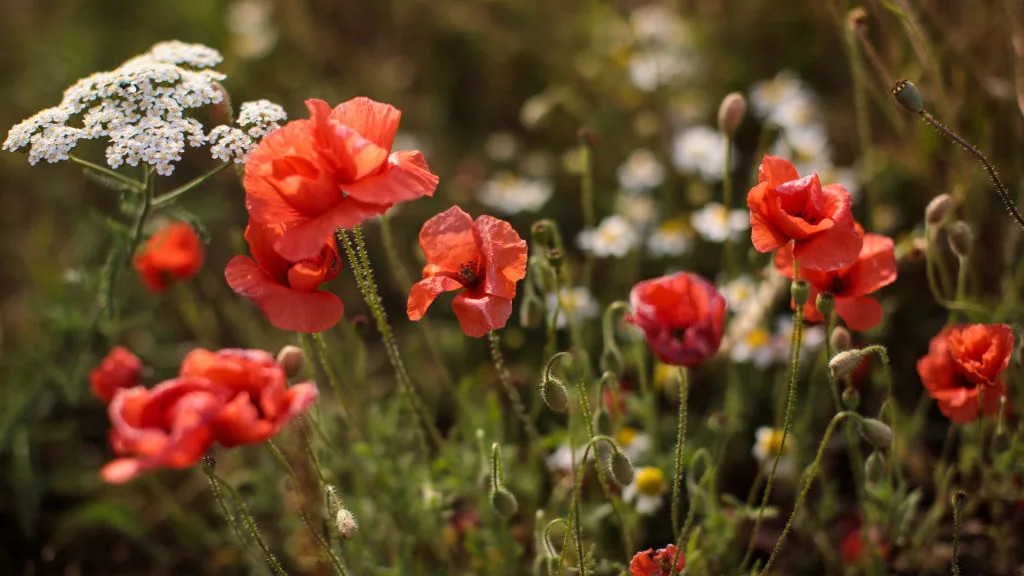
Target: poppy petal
<point>763,234</point>
<point>448,241</point>
<point>407,177</point>
<point>838,246</point>
<point>478,315</point>
<point>284,307</point>
<point>375,121</point>
<point>262,197</point>
<point>874,268</point>
<point>423,293</point>
<point>505,254</point>
<point>860,314</point>
<point>238,422</point>
<point>306,240</point>
<point>775,171</point>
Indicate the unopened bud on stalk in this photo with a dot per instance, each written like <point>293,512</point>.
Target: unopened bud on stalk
<point>938,209</point>
<point>361,324</point>
<point>800,292</point>
<point>731,113</point>
<point>841,339</point>
<point>603,422</point>
<point>851,398</point>
<point>346,523</point>
<point>621,469</point>
<point>1001,442</point>
<point>587,136</point>
<point>555,258</point>
<point>876,432</point>
<point>503,502</point>
<point>844,363</point>
<point>541,232</point>
<point>958,498</point>
<point>825,303</point>
<point>611,360</point>
<point>874,467</point>
<point>961,238</point>
<point>907,95</point>
<point>291,359</point>
<point>553,392</point>
<point>531,311</point>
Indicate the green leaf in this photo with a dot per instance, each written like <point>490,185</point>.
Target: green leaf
<point>25,481</point>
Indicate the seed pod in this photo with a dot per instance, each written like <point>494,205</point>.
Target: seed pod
<point>841,339</point>
<point>825,303</point>
<point>907,95</point>
<point>800,292</point>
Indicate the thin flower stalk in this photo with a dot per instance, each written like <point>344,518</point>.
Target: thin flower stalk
<point>506,381</point>
<point>249,521</point>
<point>684,385</point>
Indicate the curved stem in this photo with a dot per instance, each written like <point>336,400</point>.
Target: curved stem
<point>121,178</point>
<point>173,195</point>
<point>253,529</point>
<point>684,385</point>
<point>513,394</point>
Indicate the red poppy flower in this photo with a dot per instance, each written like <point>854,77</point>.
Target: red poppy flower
<point>784,207</point>
<point>852,545</point>
<point>259,401</point>
<point>874,267</point>
<point>981,351</point>
<point>946,379</point>
<point>483,258</point>
<point>682,316</point>
<point>651,563</point>
<point>331,171</point>
<point>119,369</point>
<point>287,291</point>
<point>173,253</point>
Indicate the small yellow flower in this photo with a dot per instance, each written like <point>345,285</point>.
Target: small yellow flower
<point>647,490</point>
<point>626,436</point>
<point>650,481</point>
<point>769,442</point>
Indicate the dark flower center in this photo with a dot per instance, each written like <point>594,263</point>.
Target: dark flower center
<point>837,285</point>
<point>469,274</point>
<point>679,333</point>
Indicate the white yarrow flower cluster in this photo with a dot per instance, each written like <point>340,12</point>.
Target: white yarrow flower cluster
<point>614,236</point>
<point>141,108</point>
<point>258,118</point>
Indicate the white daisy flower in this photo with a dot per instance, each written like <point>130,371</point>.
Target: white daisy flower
<point>812,339</point>
<point>647,491</point>
<point>672,238</point>
<point>754,346</point>
<point>635,444</point>
<point>715,223</point>
<point>700,150</point>
<point>578,305</point>
<point>501,146</point>
<point>639,209</point>
<point>766,447</point>
<point>507,193</point>
<point>641,171</point>
<point>614,236</point>
<point>654,24</point>
<point>739,292</point>
<point>251,24</point>
<point>767,96</point>
<point>651,68</point>
<point>560,461</point>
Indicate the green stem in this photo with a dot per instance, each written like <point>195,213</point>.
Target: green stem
<point>513,394</point>
<point>860,104</point>
<point>727,247</point>
<point>219,496</point>
<point>332,378</point>
<point>684,385</point>
<point>169,197</point>
<point>961,278</point>
<point>282,461</point>
<point>587,198</point>
<point>244,511</point>
<point>129,182</point>
<point>957,519</point>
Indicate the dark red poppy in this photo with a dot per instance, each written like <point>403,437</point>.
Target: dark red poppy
<point>682,316</point>
<point>852,548</point>
<point>287,291</point>
<point>483,258</point>
<point>947,379</point>
<point>817,219</point>
<point>981,351</point>
<point>332,170</point>
<point>874,268</point>
<point>173,253</point>
<point>651,563</point>
<point>119,369</point>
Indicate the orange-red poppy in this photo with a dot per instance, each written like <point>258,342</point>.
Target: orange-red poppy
<point>852,547</point>
<point>332,170</point>
<point>682,316</point>
<point>484,259</point>
<point>817,219</point>
<point>981,351</point>
<point>173,253</point>
<point>947,377</point>
<point>287,291</point>
<point>119,369</point>
<point>656,563</point>
<point>851,285</point>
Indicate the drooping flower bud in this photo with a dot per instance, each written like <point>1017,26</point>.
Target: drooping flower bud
<point>346,524</point>
<point>531,311</point>
<point>553,392</point>
<point>503,502</point>
<point>907,95</point>
<point>844,363</point>
<point>731,113</point>
<point>938,209</point>
<point>961,238</point>
<point>611,360</point>
<point>877,432</point>
<point>874,467</point>
<point>621,469</point>
<point>291,359</point>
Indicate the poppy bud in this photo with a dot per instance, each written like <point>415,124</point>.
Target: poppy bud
<point>1001,442</point>
<point>503,502</point>
<point>553,392</point>
<point>937,210</point>
<point>291,359</point>
<point>621,469</point>
<point>208,462</point>
<point>851,398</point>
<point>361,323</point>
<point>825,303</point>
<point>876,432</point>
<point>220,111</point>
<point>587,137</point>
<point>346,524</point>
<point>555,258</point>
<point>541,232</point>
<point>840,339</point>
<point>731,112</point>
<point>844,363</point>
<point>800,292</point>
<point>958,498</point>
<point>603,422</point>
<point>907,95</point>
<point>531,311</point>
<point>961,238</point>
<point>718,421</point>
<point>874,467</point>
<point>611,360</point>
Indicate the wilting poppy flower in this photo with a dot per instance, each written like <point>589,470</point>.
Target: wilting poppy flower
<point>946,378</point>
<point>119,369</point>
<point>173,253</point>
<point>483,258</point>
<point>981,351</point>
<point>259,401</point>
<point>874,268</point>
<point>785,207</point>
<point>651,563</point>
<point>285,290</point>
<point>682,316</point>
<point>332,170</point>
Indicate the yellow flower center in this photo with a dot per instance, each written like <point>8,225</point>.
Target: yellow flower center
<point>650,481</point>
<point>626,436</point>
<point>757,338</point>
<point>773,442</point>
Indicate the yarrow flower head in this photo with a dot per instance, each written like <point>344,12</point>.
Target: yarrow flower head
<point>614,236</point>
<point>257,119</point>
<point>510,194</point>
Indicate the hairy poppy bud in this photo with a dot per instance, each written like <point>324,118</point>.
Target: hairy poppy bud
<point>874,467</point>
<point>503,502</point>
<point>937,210</point>
<point>800,292</point>
<point>221,112</point>
<point>907,95</point>
<point>555,258</point>
<point>840,339</point>
<point>208,462</point>
<point>541,232</point>
<point>611,360</point>
<point>621,469</point>
<point>291,359</point>
<point>961,238</point>
<point>876,432</point>
<point>851,398</point>
<point>731,112</point>
<point>844,363</point>
<point>553,392</point>
<point>825,303</point>
<point>958,498</point>
<point>346,524</point>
